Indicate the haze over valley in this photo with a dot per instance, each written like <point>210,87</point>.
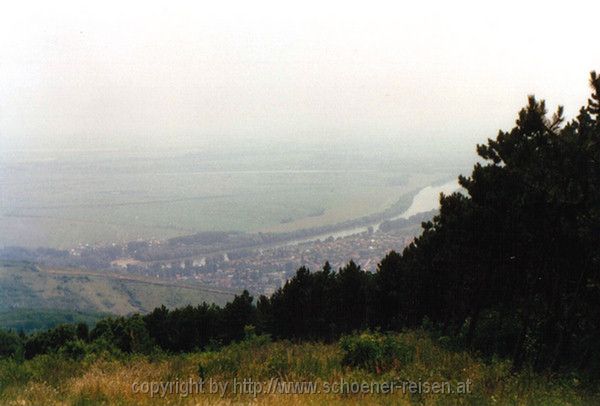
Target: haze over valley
<point>64,200</point>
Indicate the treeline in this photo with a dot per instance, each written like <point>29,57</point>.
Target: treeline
<point>32,320</point>
<point>510,267</point>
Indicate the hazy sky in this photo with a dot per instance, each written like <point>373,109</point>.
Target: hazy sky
<point>120,74</point>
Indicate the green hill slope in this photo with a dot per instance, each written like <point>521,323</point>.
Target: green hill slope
<point>24,286</point>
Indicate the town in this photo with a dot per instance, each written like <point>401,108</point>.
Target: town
<point>257,262</point>
<point>262,271</point>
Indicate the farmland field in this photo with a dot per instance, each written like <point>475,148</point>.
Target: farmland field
<point>90,197</point>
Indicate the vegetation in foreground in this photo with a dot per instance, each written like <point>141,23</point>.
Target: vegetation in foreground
<point>112,377</point>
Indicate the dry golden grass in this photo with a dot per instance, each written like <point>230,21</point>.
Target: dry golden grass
<point>52,380</point>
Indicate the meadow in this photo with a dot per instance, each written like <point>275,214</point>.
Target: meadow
<point>110,377</point>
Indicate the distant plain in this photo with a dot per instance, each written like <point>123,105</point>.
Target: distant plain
<point>88,197</point>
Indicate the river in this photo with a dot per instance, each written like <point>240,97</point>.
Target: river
<point>426,199</point>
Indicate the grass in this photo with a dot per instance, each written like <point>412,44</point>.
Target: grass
<point>411,356</point>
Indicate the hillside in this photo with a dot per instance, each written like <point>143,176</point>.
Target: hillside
<point>307,373</point>
<point>24,286</point>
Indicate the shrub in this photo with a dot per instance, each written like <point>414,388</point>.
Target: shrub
<point>129,335</point>
<point>49,341</point>
<point>277,363</point>
<point>13,372</point>
<point>375,351</point>
<point>10,344</point>
<point>74,350</point>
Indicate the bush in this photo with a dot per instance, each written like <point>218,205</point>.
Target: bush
<point>53,368</point>
<point>277,363</point>
<point>10,344</point>
<point>375,351</point>
<point>13,372</point>
<point>49,341</point>
<point>74,350</point>
<point>129,335</point>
